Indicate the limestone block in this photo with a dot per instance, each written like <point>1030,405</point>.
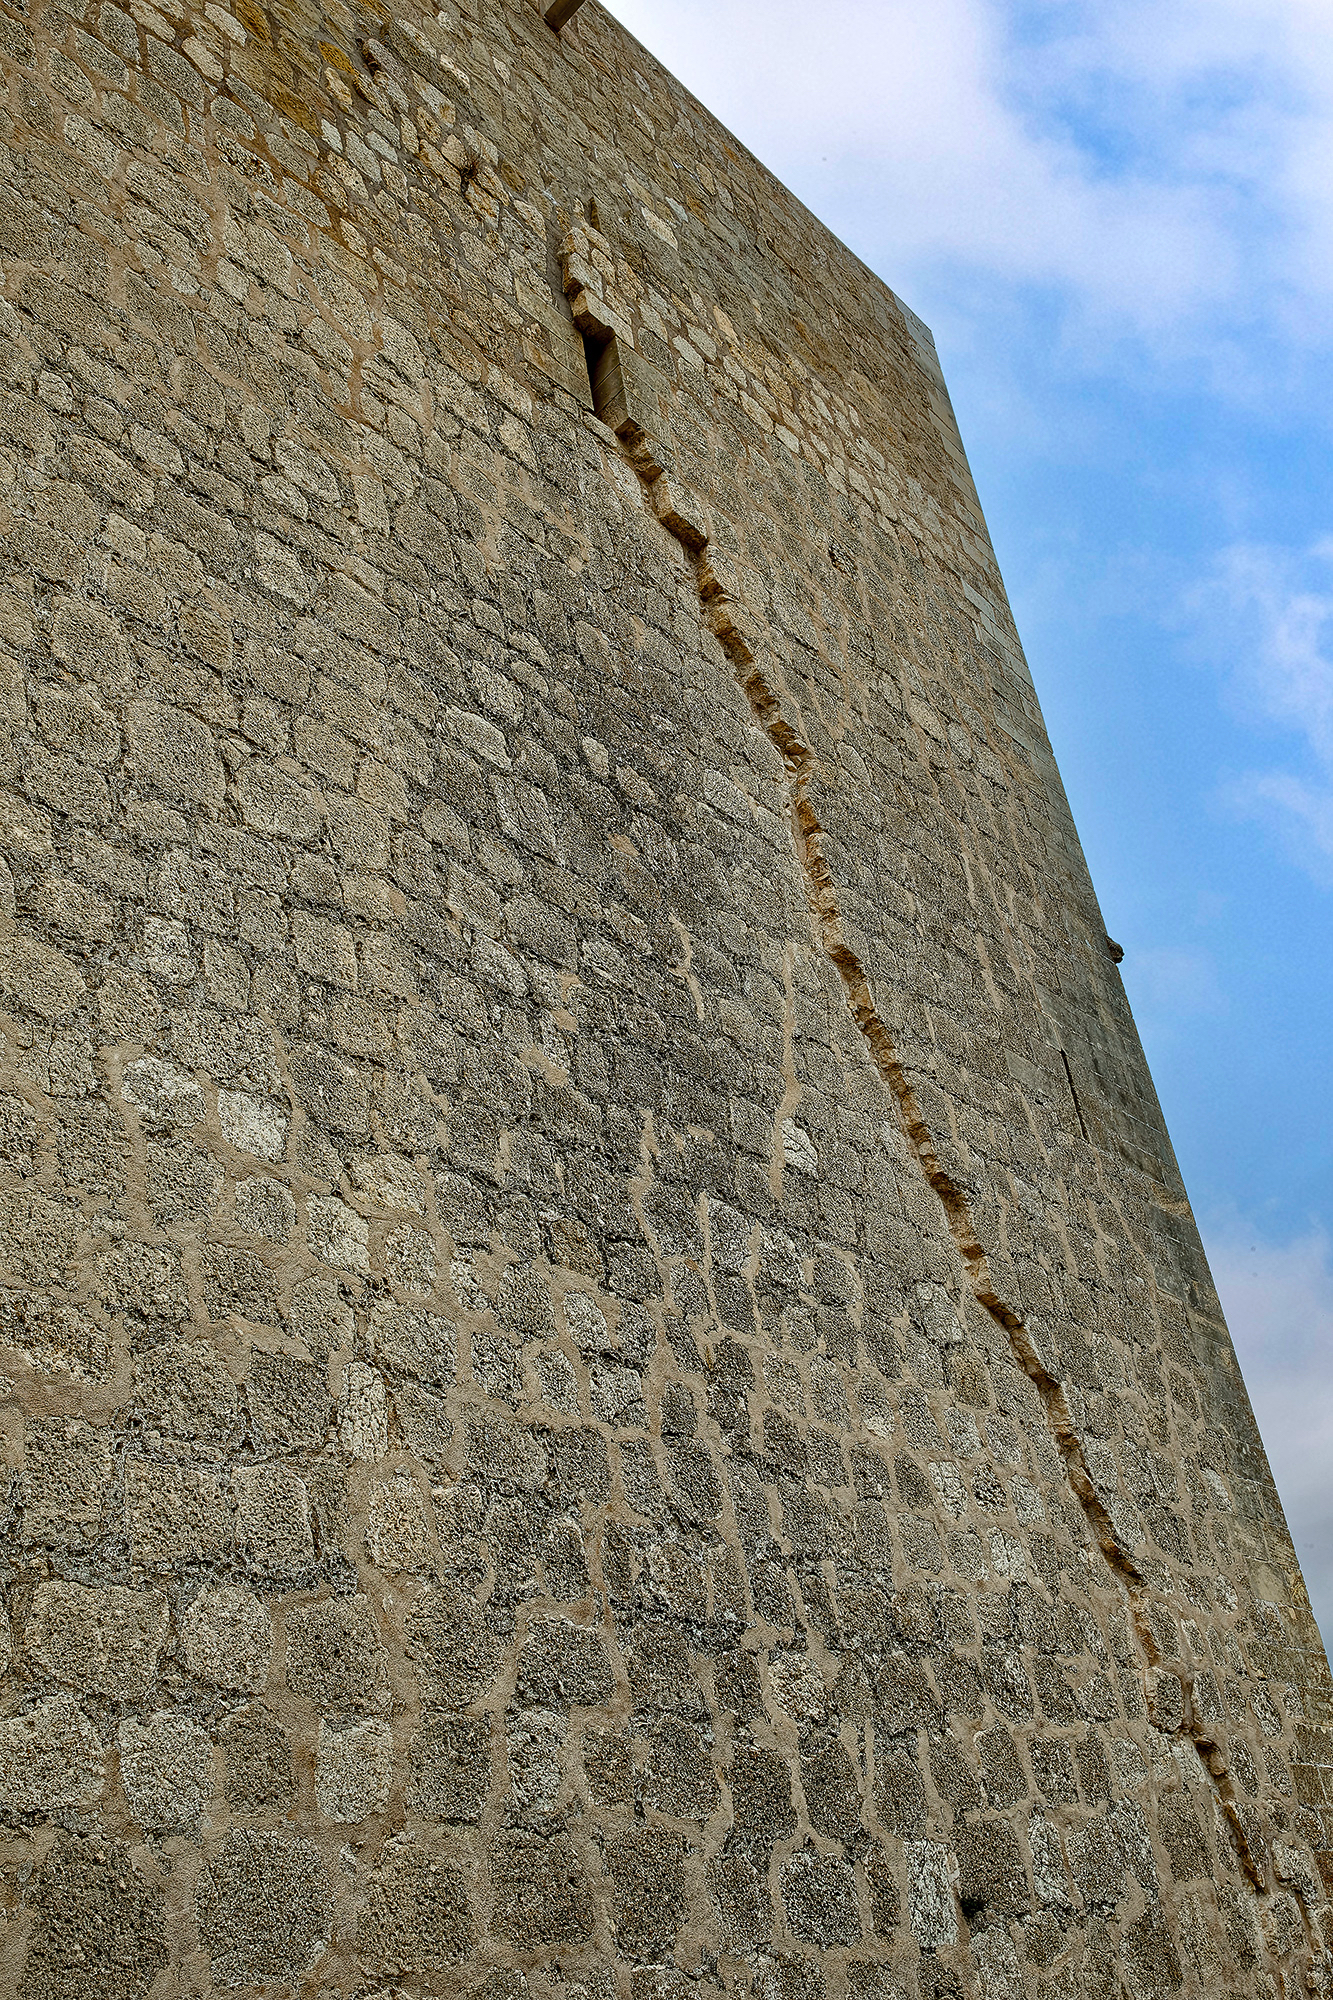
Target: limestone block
<point>57,1338</point>
<point>258,1759</point>
<point>564,1666</point>
<point>166,1769</point>
<point>410,1261</point>
<point>98,1925</point>
<point>265,1208</point>
<point>273,1521</point>
<point>164,1096</point>
<point>398,1526</point>
<point>174,1516</point>
<point>50,1759</point>
<point>36,976</point>
<point>452,1647</point>
<point>289,1401</point>
<point>264,1906</point>
<point>188,1398</point>
<point>1166,1700</point>
<point>541,1893</point>
<point>416,1916</point>
<point>37,1236</point>
<point>648,1893</point>
<point>336,1658</point>
<point>424,1423</point>
<point>413,1343</point>
<point>337,1234</point>
<point>931,1904</point>
<point>104,1640</point>
<point>354,1770</point>
<point>68,1468</point>
<point>169,951</point>
<point>819,1896</point>
<point>175,753</point>
<point>449,1762</point>
<point>227,1638</point>
<point>363,1413</point>
<point>740,1900</point>
<point>254,1125</point>
<point>319,1316</point>
<point>126,1006</point>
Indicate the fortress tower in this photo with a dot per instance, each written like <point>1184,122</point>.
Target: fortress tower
<point>609,1389</point>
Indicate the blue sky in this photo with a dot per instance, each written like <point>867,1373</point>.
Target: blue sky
<point>1117,217</point>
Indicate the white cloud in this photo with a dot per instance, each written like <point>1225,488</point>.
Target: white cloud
<point>1278,1299</point>
<point>1267,615</point>
<point>1164,166</point>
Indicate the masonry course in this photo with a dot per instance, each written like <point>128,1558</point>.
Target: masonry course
<point>609,1388</point>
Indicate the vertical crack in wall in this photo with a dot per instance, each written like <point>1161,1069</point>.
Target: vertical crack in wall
<point>1175,1711</point>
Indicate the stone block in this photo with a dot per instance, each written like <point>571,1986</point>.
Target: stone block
<point>336,1658</point>
<point>258,1760</point>
<point>98,1924</point>
<point>450,1765</point>
<point>174,1517</point>
<point>227,1638</point>
<point>354,1770</point>
<point>51,1760</point>
<point>416,1915</point>
<point>68,1469</point>
<point>264,1905</point>
<point>166,1770</point>
<point>273,1522</point>
<point>105,1641</point>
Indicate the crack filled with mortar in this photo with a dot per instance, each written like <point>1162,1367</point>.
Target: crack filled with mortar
<point>821,896</point>
<point>798,762</point>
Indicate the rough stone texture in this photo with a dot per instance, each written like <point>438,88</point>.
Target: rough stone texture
<point>609,1391</point>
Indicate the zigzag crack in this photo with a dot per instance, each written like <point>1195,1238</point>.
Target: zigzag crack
<point>725,618</point>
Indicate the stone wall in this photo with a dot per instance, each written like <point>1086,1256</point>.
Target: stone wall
<point>609,1387</point>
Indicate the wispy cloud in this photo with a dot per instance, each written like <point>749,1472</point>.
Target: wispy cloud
<point>1164,168</point>
<point>1267,619</point>
<point>1278,1299</point>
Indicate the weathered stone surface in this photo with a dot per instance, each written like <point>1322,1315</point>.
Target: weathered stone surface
<point>97,1925</point>
<point>258,1760</point>
<point>50,1759</point>
<point>69,1468</point>
<point>105,1641</point>
<point>354,1770</point>
<point>540,1891</point>
<point>416,1916</point>
<point>166,1769</point>
<point>264,1907</point>
<point>227,1638</point>
<point>450,1764</point>
<point>608,1385</point>
<point>335,1656</point>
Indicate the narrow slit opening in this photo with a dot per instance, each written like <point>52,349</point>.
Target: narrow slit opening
<point>599,351</point>
<point>1078,1108</point>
